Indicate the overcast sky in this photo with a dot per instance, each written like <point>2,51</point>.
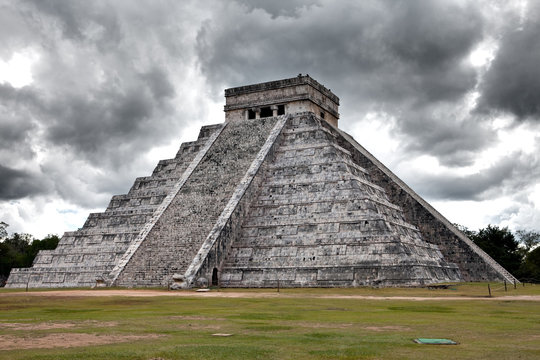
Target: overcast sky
<point>95,93</point>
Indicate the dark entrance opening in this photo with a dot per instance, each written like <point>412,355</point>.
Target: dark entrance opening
<point>281,110</point>
<point>214,277</point>
<point>266,112</point>
<point>251,114</point>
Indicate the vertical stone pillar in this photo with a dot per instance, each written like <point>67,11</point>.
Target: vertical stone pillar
<point>274,110</point>
<point>257,113</point>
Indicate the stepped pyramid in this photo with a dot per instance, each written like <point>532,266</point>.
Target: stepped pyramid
<point>277,195</point>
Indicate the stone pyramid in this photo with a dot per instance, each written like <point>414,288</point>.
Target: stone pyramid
<point>277,195</point>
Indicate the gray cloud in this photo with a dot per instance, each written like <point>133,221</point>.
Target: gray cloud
<point>433,41</point>
<point>440,132</point>
<point>510,175</point>
<point>81,21</point>
<point>429,40</point>
<point>403,58</point>
<point>115,79</point>
<point>287,8</point>
<point>17,125</point>
<point>103,95</point>
<point>386,51</point>
<point>512,83</point>
<point>16,184</point>
<point>93,125</point>
<point>14,30</point>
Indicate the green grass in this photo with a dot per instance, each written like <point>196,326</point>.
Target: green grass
<point>295,324</point>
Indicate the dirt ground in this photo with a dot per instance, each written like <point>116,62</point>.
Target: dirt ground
<point>240,294</point>
<point>49,341</point>
<point>54,325</point>
<point>54,340</point>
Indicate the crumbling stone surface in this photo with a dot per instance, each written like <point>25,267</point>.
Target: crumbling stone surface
<point>473,263</point>
<point>178,235</point>
<point>84,256</point>
<point>298,94</point>
<point>319,220</point>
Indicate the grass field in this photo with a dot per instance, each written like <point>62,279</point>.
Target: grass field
<point>294,324</point>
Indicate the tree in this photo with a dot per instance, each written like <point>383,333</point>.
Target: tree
<point>7,261</point>
<point>501,245</point>
<point>20,250</point>
<point>530,269</point>
<point>529,239</point>
<point>3,231</point>
<point>465,230</point>
<point>47,243</point>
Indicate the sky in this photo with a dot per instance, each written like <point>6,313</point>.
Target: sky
<point>94,93</point>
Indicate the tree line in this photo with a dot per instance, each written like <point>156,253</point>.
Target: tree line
<point>517,252</point>
<point>19,250</point>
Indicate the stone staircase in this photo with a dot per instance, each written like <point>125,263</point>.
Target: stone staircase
<point>179,232</point>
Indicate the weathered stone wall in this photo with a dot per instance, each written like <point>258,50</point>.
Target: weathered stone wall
<point>300,94</point>
<point>179,233</point>
<point>92,252</point>
<point>320,221</point>
<point>433,227</point>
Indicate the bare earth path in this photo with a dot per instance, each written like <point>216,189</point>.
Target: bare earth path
<point>247,294</point>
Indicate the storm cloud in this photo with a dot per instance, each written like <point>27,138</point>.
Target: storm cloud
<point>114,82</point>
<point>15,184</point>
<point>376,51</point>
<point>103,91</point>
<point>512,83</point>
<point>404,58</point>
<point>509,175</point>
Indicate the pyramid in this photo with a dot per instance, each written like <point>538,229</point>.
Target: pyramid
<point>277,195</point>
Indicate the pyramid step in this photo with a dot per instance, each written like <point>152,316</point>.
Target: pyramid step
<point>318,164</point>
<point>406,274</point>
<point>297,205</point>
<point>319,237</point>
<point>308,149</point>
<point>141,197</point>
<point>207,130</point>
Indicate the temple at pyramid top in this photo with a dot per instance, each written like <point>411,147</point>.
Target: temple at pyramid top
<point>287,96</point>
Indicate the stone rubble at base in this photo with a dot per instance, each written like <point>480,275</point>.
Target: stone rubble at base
<point>277,196</point>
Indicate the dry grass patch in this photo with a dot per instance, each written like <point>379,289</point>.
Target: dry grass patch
<point>55,325</point>
<point>318,325</point>
<point>195,318</point>
<point>387,328</point>
<point>66,340</point>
